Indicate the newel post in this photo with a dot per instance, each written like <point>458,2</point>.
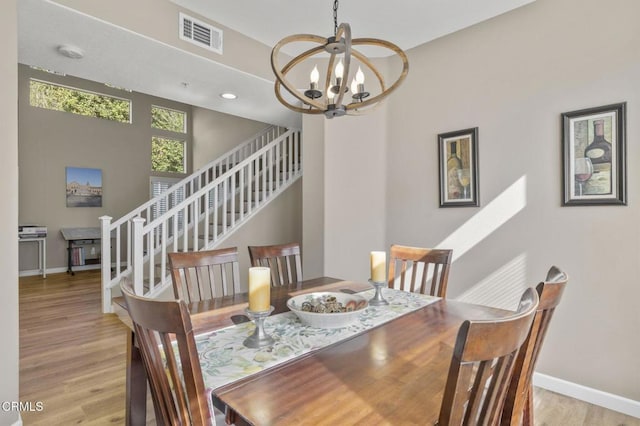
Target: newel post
<point>138,255</point>
<point>105,262</point>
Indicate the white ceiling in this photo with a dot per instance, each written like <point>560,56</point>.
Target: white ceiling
<point>133,61</point>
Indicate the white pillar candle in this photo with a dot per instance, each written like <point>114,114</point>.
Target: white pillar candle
<point>378,266</point>
<point>259,289</point>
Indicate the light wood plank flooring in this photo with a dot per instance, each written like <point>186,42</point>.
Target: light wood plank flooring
<point>72,358</point>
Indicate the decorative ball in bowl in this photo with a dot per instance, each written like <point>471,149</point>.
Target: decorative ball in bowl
<point>327,309</point>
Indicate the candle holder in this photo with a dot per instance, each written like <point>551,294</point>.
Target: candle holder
<point>378,299</point>
<point>259,338</point>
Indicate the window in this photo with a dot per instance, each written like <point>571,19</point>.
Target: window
<point>168,119</point>
<point>167,150</point>
<point>76,101</point>
<point>167,155</point>
<point>160,185</point>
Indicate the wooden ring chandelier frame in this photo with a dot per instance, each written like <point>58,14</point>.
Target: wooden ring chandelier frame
<point>339,46</point>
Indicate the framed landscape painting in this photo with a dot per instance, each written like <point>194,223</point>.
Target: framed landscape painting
<point>594,151</point>
<point>84,187</point>
<point>458,163</point>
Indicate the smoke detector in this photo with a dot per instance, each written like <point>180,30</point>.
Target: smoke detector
<point>70,51</point>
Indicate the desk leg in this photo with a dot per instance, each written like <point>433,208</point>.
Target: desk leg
<point>43,258</point>
<point>69,268</point>
<point>136,392</point>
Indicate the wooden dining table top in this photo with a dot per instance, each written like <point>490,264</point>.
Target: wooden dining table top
<point>392,374</point>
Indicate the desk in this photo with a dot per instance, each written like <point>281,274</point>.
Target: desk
<point>75,236</point>
<point>42,253</point>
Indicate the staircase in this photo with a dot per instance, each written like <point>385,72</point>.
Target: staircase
<point>197,213</point>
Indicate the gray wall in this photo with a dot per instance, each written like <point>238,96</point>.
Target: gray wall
<point>511,76</point>
<point>215,133</point>
<point>52,140</point>
<point>9,211</point>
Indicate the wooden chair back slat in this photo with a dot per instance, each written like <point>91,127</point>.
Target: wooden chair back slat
<point>518,407</point>
<point>207,274</point>
<point>165,336</point>
<point>283,260</point>
<point>482,365</point>
<point>421,270</point>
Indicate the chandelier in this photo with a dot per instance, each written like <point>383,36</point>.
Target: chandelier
<point>336,98</point>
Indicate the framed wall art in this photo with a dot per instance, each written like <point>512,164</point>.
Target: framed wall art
<point>458,163</point>
<point>84,187</point>
<point>594,151</point>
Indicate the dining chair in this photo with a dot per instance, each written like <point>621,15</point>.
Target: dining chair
<point>420,270</point>
<point>173,371</point>
<point>482,364</point>
<point>201,275</point>
<point>283,259</point>
<point>518,407</point>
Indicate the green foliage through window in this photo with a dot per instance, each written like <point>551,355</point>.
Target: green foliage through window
<point>167,155</point>
<point>61,98</point>
<point>168,119</point>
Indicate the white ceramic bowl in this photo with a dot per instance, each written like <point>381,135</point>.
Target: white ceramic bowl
<point>327,320</point>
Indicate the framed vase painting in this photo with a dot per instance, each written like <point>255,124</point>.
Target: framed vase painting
<point>458,164</point>
<point>594,151</point>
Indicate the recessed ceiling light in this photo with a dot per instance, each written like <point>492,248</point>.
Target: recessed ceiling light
<point>70,51</point>
<point>228,95</point>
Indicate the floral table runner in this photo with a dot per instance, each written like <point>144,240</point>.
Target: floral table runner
<point>224,359</point>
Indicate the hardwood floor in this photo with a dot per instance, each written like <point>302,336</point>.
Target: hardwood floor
<point>72,359</point>
<point>551,409</point>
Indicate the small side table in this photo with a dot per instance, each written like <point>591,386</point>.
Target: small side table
<point>42,252</point>
<point>75,236</point>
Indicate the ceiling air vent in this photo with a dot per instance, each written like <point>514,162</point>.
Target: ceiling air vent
<point>200,33</point>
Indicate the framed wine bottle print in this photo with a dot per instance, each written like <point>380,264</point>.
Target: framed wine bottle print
<point>594,151</point>
<point>458,163</point>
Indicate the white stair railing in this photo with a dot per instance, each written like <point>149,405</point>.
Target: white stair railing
<point>218,199</point>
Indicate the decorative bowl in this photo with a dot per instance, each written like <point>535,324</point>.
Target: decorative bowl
<point>327,300</point>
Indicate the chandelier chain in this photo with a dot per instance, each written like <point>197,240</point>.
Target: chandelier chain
<point>335,17</point>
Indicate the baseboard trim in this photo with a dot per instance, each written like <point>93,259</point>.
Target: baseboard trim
<point>590,395</point>
<point>29,273</point>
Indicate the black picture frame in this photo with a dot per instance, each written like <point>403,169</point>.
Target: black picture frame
<point>458,162</point>
<point>594,156</point>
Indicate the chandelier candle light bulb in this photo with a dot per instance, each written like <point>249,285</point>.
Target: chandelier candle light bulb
<point>360,76</point>
<point>357,86</point>
<point>339,73</point>
<point>259,289</point>
<point>378,266</point>
<point>314,77</point>
<point>313,92</point>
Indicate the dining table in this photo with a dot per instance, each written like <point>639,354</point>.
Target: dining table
<point>391,369</point>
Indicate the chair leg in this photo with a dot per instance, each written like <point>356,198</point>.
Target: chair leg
<point>136,391</point>
<point>527,415</point>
